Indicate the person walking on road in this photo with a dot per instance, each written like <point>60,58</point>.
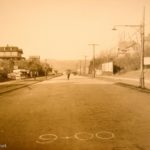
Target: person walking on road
<point>68,74</point>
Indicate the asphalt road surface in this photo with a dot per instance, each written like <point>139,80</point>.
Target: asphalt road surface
<point>76,114</point>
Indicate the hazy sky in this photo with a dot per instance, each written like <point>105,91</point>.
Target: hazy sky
<point>62,29</point>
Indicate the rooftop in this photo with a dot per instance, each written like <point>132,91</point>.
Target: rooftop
<point>10,49</point>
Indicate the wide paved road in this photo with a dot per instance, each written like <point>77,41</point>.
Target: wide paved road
<point>76,114</point>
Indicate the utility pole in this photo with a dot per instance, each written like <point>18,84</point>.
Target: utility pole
<point>142,84</point>
<point>77,67</point>
<point>85,65</point>
<point>46,68</point>
<point>93,45</point>
<point>80,67</point>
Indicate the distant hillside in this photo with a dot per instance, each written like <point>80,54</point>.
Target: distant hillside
<point>62,65</point>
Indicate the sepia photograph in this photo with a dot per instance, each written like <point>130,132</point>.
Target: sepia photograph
<point>74,74</point>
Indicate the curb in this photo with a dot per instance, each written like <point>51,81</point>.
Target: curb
<point>145,90</point>
<point>120,82</point>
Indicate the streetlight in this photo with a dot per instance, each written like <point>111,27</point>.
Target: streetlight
<point>142,33</point>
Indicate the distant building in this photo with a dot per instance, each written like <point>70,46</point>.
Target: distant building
<point>34,58</point>
<point>108,68</point>
<point>147,40</point>
<point>11,52</point>
<point>129,47</point>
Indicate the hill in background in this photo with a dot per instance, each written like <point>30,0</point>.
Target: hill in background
<point>62,65</point>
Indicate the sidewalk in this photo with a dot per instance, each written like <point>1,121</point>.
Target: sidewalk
<point>12,85</point>
<point>126,80</point>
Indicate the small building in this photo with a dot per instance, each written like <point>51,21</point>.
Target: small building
<point>19,74</point>
<point>11,52</point>
<point>34,58</point>
<point>107,68</point>
<point>147,40</point>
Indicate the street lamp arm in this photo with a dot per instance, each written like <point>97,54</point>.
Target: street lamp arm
<point>138,26</point>
<point>127,25</point>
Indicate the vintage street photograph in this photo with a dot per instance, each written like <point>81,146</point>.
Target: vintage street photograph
<point>74,74</point>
